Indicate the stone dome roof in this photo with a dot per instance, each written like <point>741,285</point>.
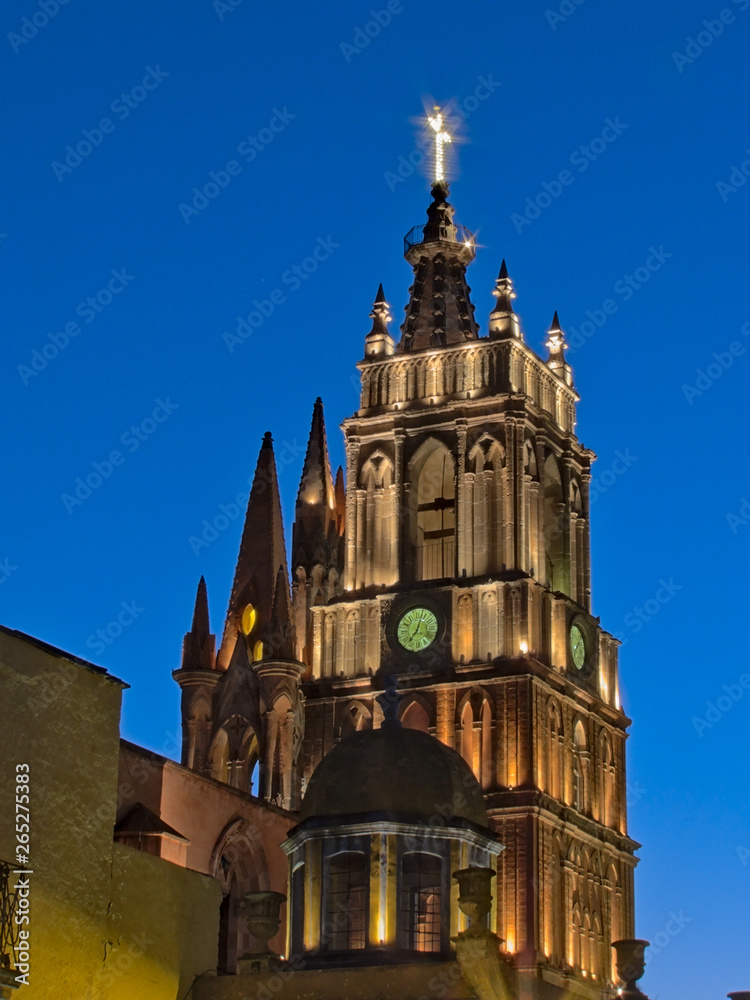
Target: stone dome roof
<point>396,771</point>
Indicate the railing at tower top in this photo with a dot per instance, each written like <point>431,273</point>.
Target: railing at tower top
<point>8,927</point>
<point>415,237</point>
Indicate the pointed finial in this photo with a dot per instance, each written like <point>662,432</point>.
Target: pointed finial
<point>378,342</point>
<point>198,645</point>
<point>267,440</point>
<point>503,320</point>
<point>200,624</point>
<point>556,345</point>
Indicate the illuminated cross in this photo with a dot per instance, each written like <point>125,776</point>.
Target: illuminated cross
<point>441,138</point>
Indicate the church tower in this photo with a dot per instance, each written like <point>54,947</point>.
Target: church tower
<point>466,574</point>
<point>454,556</point>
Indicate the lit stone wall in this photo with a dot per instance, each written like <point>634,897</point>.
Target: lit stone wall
<point>94,905</point>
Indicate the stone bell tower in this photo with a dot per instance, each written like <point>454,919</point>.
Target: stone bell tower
<point>465,571</point>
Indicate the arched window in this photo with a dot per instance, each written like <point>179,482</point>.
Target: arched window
<point>554,750</point>
<point>421,902</point>
<point>229,930</point>
<point>579,771</point>
<point>554,526</point>
<point>346,928</point>
<point>486,461</point>
<point>298,909</point>
<point>467,736</point>
<point>415,717</point>
<point>607,780</point>
<point>356,718</point>
<point>435,543</point>
<point>376,513</point>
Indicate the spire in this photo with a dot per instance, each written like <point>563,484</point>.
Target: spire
<point>316,485</point>
<point>278,638</point>
<point>262,553</point>
<point>378,342</point>
<point>440,312</point>
<point>503,320</point>
<point>556,345</point>
<point>198,645</point>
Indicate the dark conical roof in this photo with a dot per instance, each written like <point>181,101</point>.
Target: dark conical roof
<point>262,552</point>
<point>440,312</point>
<point>398,771</point>
<point>199,645</point>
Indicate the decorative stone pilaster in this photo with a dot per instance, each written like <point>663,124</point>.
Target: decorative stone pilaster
<point>399,512</point>
<point>585,600</point>
<point>352,458</point>
<point>463,516</point>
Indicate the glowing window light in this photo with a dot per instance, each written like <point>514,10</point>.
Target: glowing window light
<point>249,617</point>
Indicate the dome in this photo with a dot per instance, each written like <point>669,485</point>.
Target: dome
<point>394,770</point>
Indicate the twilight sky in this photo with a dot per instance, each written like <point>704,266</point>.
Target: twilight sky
<point>606,155</point>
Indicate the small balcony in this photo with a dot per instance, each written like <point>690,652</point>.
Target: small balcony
<point>8,927</point>
<point>464,237</point>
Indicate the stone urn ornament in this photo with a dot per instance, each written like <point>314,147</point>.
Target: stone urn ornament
<point>262,911</point>
<point>631,964</point>
<point>475,897</point>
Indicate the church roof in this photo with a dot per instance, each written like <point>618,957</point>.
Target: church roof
<point>394,770</point>
<point>141,820</point>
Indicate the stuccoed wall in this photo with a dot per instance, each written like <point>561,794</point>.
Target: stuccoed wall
<point>61,716</point>
<point>162,931</point>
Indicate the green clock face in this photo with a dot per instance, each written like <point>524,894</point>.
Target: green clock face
<point>577,646</point>
<point>417,629</point>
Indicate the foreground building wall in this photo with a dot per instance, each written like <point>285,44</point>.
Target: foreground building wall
<point>105,920</point>
<point>226,834</point>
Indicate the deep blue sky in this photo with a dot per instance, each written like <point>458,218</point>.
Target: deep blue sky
<point>324,176</point>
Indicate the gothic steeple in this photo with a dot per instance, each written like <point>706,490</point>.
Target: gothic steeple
<point>316,484</point>
<point>556,344</point>
<point>440,312</point>
<point>378,342</point>
<point>318,529</point>
<point>503,320</point>
<point>262,553</point>
<point>198,644</point>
